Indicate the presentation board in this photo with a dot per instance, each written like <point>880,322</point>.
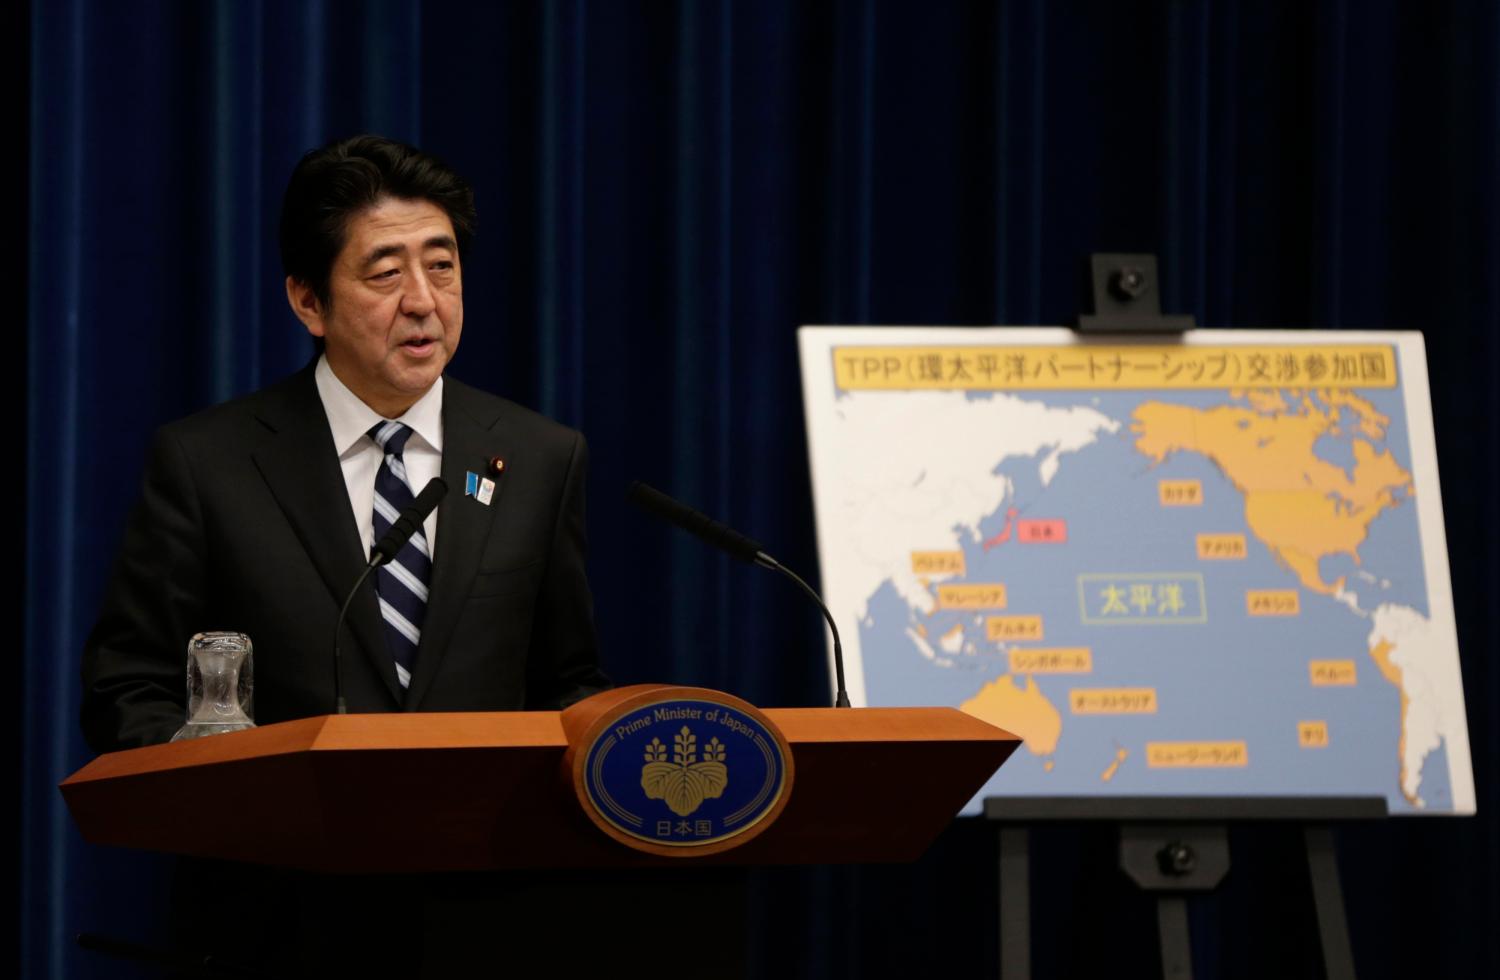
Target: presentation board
<point>1206,566</point>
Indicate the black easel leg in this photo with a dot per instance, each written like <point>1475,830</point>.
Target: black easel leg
<point>1176,947</point>
<point>1015,904</point>
<point>1328,900</point>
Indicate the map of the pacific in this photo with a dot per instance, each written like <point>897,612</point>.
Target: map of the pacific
<point>1162,590</point>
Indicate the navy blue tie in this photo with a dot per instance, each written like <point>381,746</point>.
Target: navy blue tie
<point>401,583</point>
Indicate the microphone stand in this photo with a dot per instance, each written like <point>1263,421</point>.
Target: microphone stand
<point>841,696</point>
<point>385,550</point>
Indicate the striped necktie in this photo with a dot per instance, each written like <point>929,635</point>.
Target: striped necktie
<point>401,583</point>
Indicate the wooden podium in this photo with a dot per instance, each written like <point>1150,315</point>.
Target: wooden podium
<point>484,791</point>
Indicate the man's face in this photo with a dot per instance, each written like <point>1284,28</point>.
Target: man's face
<point>396,307</point>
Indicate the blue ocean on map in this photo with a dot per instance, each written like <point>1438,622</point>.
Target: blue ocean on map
<point>1230,677</point>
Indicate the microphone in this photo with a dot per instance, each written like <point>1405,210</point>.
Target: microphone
<point>408,521</point>
<point>727,539</point>
<point>721,536</point>
<point>405,525</point>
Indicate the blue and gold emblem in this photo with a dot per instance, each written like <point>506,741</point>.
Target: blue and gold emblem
<point>684,772</point>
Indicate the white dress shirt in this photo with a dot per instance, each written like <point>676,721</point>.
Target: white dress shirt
<point>351,420</point>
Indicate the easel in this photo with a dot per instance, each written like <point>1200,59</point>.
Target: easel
<point>1126,298</point>
<point>1169,846</point>
<point>1173,847</point>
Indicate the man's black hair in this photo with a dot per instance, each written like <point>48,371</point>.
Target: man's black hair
<point>336,182</point>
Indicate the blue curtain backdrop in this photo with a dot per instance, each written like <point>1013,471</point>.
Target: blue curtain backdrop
<point>666,191</point>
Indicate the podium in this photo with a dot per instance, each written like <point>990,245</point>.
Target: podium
<point>489,791</point>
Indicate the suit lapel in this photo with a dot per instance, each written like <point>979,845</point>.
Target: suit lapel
<point>463,526</point>
<point>301,468</point>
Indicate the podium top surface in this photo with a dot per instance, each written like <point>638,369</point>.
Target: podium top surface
<point>516,730</point>
<point>489,790</point>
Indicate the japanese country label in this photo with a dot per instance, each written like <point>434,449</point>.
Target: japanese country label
<point>1207,567</point>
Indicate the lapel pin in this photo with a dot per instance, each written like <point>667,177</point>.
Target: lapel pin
<point>480,488</point>
<point>497,466</point>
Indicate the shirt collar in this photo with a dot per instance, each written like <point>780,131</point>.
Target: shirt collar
<point>350,419</point>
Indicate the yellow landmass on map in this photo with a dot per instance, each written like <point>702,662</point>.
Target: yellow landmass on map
<point>1261,400</point>
<point>1302,507</point>
<point>1114,766</point>
<point>1022,711</point>
<point>1369,421</point>
<point>1381,654</point>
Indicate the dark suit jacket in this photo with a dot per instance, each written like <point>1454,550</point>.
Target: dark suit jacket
<point>244,524</point>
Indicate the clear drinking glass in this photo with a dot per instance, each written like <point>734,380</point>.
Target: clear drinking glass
<point>220,685</point>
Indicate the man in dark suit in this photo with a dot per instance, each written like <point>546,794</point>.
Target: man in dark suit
<point>258,515</point>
